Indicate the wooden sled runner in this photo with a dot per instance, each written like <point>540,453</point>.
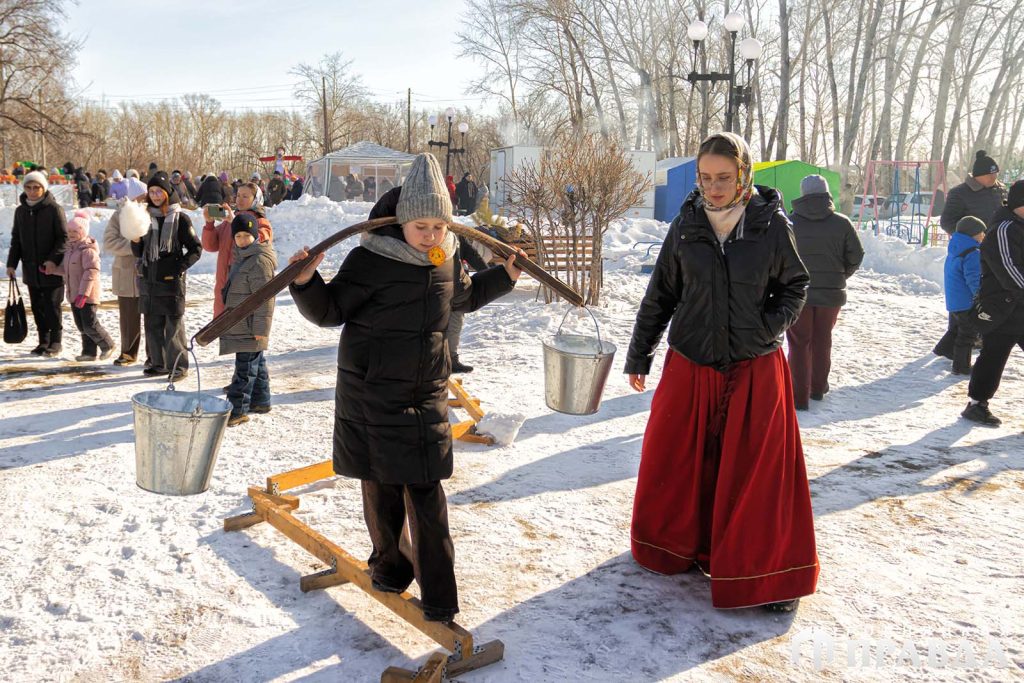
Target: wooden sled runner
<point>273,506</point>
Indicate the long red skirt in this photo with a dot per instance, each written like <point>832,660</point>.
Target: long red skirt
<point>730,496</point>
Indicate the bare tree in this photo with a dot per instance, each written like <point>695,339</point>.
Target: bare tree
<point>332,91</point>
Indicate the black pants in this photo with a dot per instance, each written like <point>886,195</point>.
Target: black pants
<point>130,321</point>
<point>45,302</point>
<point>966,339</point>
<point>988,371</point>
<point>93,335</point>
<point>948,341</point>
<point>430,557</point>
<point>165,341</point>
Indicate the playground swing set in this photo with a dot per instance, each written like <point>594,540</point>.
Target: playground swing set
<point>904,211</point>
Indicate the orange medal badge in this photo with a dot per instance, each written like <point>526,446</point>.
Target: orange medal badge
<point>436,255</point>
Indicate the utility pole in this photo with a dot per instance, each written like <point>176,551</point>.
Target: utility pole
<point>327,141</point>
<point>408,122</point>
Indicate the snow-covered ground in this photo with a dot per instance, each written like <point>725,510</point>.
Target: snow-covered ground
<point>918,512</point>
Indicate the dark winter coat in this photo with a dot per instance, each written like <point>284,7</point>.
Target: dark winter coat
<point>162,284</point>
<point>100,190</point>
<point>829,247</point>
<point>84,189</point>
<point>275,191</point>
<point>353,190</point>
<point>970,198</point>
<point>39,234</point>
<point>210,191</point>
<point>1002,272</point>
<point>296,190</point>
<point>253,267</point>
<point>726,302</point>
<point>465,192</point>
<point>391,401</point>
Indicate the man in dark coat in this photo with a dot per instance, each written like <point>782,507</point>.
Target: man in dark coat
<point>830,249</point>
<point>296,190</point>
<point>465,192</point>
<point>38,240</point>
<point>100,187</point>
<point>275,190</point>
<point>394,295</point>
<point>83,186</point>
<point>1000,313</point>
<point>981,195</point>
<point>353,188</point>
<point>211,191</point>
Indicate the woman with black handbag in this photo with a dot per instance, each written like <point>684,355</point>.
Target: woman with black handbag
<point>37,242</point>
<point>999,308</point>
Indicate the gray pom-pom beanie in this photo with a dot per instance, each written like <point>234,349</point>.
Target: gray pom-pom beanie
<point>424,192</point>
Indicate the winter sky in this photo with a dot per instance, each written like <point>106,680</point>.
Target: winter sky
<point>241,53</point>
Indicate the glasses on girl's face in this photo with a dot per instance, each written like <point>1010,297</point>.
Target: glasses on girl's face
<point>721,183</point>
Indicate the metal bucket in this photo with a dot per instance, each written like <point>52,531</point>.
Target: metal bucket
<point>576,368</point>
<point>177,436</point>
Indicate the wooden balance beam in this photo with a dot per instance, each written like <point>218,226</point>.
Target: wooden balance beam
<point>271,506</point>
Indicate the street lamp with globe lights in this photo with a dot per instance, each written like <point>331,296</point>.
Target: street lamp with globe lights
<point>450,151</point>
<point>750,51</point>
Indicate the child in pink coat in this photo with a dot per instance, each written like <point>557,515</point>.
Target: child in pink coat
<point>82,275</point>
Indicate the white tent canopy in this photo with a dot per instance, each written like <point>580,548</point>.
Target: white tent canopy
<point>380,167</point>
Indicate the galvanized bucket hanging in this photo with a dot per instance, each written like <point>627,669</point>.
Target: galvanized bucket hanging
<point>576,368</point>
<point>177,437</point>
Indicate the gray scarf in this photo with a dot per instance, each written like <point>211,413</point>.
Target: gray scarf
<point>161,239</point>
<point>400,250</point>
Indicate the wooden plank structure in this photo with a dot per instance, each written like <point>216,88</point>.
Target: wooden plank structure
<point>466,430</point>
<point>559,253</point>
<point>272,506</point>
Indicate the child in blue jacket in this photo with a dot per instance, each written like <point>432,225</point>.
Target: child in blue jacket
<point>962,280</point>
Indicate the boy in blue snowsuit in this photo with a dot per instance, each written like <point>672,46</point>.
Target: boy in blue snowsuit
<point>962,280</point>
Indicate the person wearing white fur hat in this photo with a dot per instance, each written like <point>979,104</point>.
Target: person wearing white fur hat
<point>38,240</point>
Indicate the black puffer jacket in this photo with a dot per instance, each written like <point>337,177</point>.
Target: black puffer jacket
<point>84,189</point>
<point>726,302</point>
<point>970,198</point>
<point>391,401</point>
<point>210,191</point>
<point>162,284</point>
<point>1002,273</point>
<point>829,247</point>
<point>38,235</point>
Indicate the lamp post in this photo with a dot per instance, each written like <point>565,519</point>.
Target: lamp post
<point>463,127</point>
<point>750,51</point>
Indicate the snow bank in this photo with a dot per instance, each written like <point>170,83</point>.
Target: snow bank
<point>919,269</point>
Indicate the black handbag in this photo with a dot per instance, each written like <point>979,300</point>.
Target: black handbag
<point>15,320</point>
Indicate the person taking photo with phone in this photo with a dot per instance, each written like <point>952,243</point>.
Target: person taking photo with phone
<point>218,239</point>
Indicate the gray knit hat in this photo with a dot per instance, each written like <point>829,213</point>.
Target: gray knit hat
<point>424,192</point>
<point>970,225</point>
<point>813,184</point>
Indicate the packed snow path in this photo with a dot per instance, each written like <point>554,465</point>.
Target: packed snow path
<point>918,519</point>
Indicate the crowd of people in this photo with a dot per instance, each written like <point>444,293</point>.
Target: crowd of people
<point>723,489</point>
<point>96,188</point>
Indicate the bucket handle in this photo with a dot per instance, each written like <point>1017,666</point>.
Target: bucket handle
<point>197,413</point>
<point>174,371</point>
<point>597,327</point>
